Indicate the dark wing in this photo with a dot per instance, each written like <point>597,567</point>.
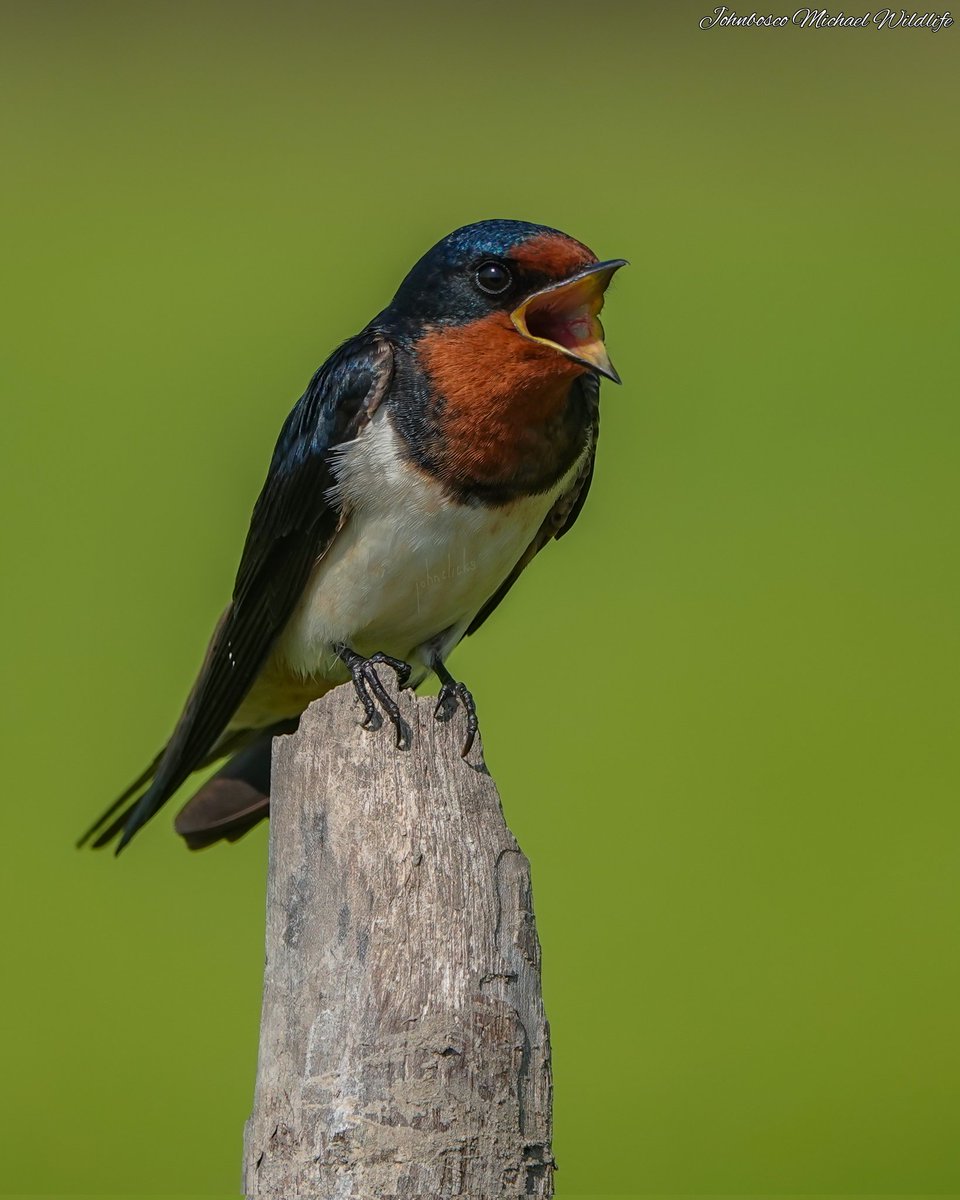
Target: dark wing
<point>565,511</point>
<point>292,525</point>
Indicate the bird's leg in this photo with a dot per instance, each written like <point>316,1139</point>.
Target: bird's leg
<point>453,693</point>
<point>363,671</point>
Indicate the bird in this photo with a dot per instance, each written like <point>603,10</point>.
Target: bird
<point>430,459</point>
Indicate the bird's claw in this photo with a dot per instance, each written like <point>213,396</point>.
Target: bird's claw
<point>451,694</point>
<point>401,668</point>
<point>363,672</point>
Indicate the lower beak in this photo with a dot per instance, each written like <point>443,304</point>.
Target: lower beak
<point>566,317</point>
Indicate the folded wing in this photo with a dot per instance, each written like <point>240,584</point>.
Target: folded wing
<point>293,523</point>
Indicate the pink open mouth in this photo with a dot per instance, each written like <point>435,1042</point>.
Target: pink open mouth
<point>554,322</point>
<point>565,316</point>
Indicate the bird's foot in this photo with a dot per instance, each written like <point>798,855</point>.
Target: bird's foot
<point>453,693</point>
<point>363,672</point>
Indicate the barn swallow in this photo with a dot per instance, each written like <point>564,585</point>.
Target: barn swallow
<point>458,429</point>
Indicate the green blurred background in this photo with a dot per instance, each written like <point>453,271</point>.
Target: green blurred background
<point>723,714</point>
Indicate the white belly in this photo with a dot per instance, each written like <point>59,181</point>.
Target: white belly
<point>408,565</point>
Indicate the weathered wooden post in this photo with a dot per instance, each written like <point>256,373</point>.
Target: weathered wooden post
<point>403,1046</point>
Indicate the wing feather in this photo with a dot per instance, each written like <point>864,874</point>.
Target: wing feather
<point>294,521</point>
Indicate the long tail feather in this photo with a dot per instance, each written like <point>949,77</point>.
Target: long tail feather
<point>143,797</point>
<point>226,807</point>
<point>138,784</point>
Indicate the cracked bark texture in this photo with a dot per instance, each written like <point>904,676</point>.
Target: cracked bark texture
<point>403,1046</point>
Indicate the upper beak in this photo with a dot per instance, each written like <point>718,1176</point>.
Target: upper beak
<point>565,316</point>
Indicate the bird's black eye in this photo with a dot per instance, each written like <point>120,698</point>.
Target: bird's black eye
<point>493,278</point>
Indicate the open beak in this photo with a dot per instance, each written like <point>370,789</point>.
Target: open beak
<point>566,316</point>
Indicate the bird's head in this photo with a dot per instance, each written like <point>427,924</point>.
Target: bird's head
<point>514,293</point>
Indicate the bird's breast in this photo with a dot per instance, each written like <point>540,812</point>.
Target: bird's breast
<point>409,563</point>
